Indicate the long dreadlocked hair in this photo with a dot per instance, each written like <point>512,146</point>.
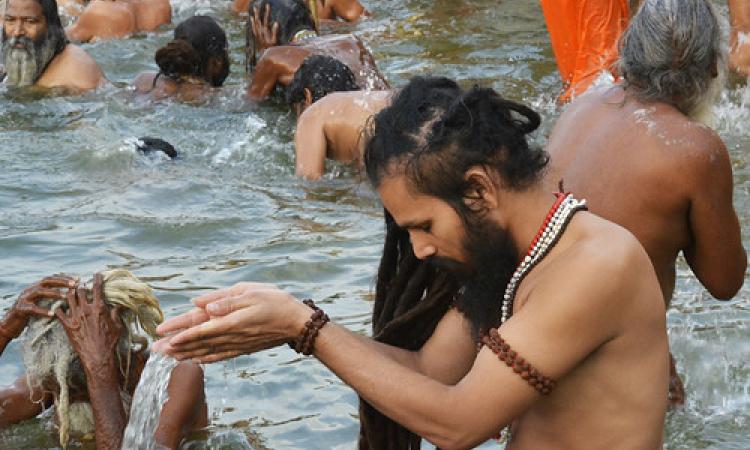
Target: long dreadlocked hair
<point>48,353</point>
<point>411,296</point>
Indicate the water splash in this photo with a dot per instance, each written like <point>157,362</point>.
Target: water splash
<point>149,398</point>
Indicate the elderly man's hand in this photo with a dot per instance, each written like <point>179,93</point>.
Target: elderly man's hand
<point>243,319</point>
<point>93,329</point>
<point>26,305</point>
<point>266,35</point>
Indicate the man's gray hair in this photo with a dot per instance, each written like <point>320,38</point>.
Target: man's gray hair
<point>673,51</point>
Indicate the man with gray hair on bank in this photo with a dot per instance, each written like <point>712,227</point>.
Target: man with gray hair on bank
<point>36,52</point>
<point>643,154</point>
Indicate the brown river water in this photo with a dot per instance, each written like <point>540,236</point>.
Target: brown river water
<point>74,197</point>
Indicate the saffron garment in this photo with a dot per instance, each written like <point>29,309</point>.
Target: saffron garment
<point>584,35</point>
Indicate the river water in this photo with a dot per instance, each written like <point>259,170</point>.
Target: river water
<point>74,197</point>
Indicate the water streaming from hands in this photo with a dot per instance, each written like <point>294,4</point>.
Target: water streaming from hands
<point>148,399</point>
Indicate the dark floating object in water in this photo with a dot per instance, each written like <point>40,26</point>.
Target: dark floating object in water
<point>149,145</point>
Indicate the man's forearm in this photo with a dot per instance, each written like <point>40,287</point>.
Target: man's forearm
<point>109,414</point>
<point>389,379</point>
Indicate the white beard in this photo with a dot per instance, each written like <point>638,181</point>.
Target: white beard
<point>23,66</point>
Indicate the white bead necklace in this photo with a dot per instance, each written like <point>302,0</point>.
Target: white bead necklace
<point>548,238</point>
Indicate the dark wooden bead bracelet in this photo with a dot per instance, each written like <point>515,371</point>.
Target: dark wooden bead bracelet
<point>305,342</point>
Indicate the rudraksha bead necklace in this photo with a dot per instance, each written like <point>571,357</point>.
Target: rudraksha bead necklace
<point>549,233</point>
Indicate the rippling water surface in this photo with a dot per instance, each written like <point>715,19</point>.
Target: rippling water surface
<point>75,197</point>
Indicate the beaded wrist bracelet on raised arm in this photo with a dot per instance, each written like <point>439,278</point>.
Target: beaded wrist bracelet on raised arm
<point>305,342</point>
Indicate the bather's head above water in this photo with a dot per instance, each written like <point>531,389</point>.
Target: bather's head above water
<point>198,53</point>
<point>32,36</point>
<point>294,20</point>
<point>318,76</point>
<point>53,366</point>
<point>674,52</point>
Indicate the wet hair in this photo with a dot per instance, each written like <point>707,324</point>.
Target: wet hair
<point>292,16</point>
<point>47,352</point>
<point>322,75</point>
<point>148,145</point>
<point>433,133</point>
<point>55,29</point>
<point>411,296</point>
<point>671,52</point>
<point>199,48</point>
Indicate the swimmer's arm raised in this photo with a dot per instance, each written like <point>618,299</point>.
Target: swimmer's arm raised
<point>93,330</point>
<point>265,77</point>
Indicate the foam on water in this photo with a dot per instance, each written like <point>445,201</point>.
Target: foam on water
<point>150,396</point>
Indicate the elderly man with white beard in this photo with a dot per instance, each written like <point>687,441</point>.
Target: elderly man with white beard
<point>644,155</point>
<point>36,52</point>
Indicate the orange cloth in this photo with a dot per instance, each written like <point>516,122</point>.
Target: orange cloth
<point>584,35</point>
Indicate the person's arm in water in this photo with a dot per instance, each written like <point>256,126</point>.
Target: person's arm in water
<point>739,38</point>
<point>716,254</point>
<point>93,331</point>
<point>16,402</point>
<point>185,409</point>
<point>310,144</point>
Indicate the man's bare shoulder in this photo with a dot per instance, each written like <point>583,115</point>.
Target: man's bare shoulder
<point>144,81</point>
<point>117,13</point>
<point>603,267</point>
<point>72,68</point>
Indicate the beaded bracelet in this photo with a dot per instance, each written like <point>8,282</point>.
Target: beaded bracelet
<point>306,340</point>
<point>523,368</point>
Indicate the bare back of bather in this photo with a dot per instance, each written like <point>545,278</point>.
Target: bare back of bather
<point>667,179</point>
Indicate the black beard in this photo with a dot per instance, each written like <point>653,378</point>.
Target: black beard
<point>492,259</point>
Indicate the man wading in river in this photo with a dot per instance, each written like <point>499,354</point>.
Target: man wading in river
<point>566,304</point>
<point>36,51</point>
<point>641,155</point>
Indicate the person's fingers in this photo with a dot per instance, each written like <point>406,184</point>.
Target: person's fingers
<point>72,300</point>
<point>205,299</point>
<point>162,346</point>
<point>61,316</point>
<point>98,289</point>
<point>59,281</point>
<point>44,293</point>
<point>268,16</point>
<point>39,311</point>
<point>275,32</point>
<point>221,340</point>
<point>82,295</point>
<point>228,305</point>
<point>183,321</point>
<point>205,330</point>
<point>216,357</point>
<point>114,313</point>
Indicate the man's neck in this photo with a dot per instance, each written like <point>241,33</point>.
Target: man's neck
<point>522,213</point>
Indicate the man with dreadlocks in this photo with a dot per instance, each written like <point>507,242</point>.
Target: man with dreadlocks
<point>36,51</point>
<point>84,353</point>
<point>565,306</point>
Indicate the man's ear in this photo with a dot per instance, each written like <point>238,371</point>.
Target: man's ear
<point>308,97</point>
<point>481,193</point>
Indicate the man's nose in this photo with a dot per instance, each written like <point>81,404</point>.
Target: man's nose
<point>16,29</point>
<point>422,248</point>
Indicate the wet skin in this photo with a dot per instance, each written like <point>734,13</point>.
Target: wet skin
<point>348,10</point>
<point>94,330</point>
<point>666,179</point>
<point>165,87</point>
<point>72,68</point>
<point>112,19</point>
<point>601,334</point>
<point>331,128</point>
